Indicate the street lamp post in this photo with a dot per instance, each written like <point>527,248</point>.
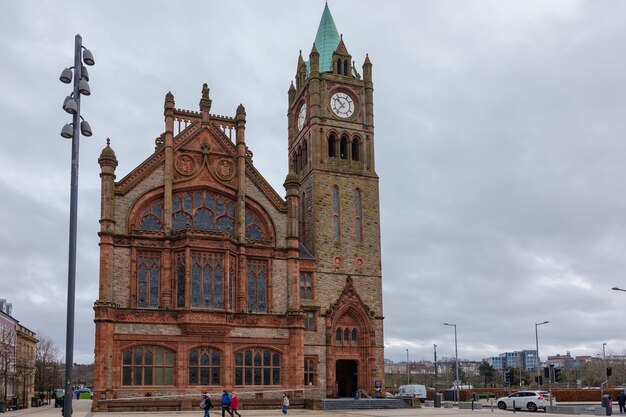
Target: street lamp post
<point>537,353</point>
<point>456,362</point>
<point>73,131</point>
<point>407,367</point>
<point>435,352</point>
<point>606,369</point>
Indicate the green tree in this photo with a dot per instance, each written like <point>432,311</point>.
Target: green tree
<point>487,371</point>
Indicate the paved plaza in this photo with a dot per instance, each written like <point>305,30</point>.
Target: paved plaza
<point>82,408</point>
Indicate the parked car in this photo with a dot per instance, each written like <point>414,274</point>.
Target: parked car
<point>412,391</point>
<point>530,400</point>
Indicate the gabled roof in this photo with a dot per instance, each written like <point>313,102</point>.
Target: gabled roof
<point>326,40</point>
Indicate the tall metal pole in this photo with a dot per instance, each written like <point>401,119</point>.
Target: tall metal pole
<point>436,370</point>
<point>71,275</point>
<point>537,353</point>
<point>456,361</point>
<point>606,369</point>
<point>407,367</point>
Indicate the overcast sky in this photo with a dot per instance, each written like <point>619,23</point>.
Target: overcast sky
<point>500,146</point>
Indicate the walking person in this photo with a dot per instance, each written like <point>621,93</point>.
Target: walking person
<point>621,400</point>
<point>285,403</point>
<point>226,404</point>
<point>234,404</point>
<point>206,404</point>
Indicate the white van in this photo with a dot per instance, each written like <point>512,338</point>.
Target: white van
<point>412,391</point>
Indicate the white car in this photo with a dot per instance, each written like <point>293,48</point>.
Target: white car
<point>530,400</point>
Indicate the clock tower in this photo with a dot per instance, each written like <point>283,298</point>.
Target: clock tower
<point>333,190</point>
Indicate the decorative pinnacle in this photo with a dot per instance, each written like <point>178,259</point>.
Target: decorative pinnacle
<point>205,101</point>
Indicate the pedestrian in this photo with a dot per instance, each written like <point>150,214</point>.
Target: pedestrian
<point>234,404</point>
<point>226,404</point>
<point>206,404</point>
<point>621,400</point>
<point>285,403</point>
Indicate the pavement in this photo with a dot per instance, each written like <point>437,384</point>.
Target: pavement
<point>82,408</point>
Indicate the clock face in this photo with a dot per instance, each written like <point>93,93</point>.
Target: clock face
<point>301,116</point>
<point>342,105</point>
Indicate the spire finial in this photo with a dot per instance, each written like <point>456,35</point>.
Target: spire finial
<point>108,141</point>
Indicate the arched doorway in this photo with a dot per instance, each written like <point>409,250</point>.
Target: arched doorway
<point>346,377</point>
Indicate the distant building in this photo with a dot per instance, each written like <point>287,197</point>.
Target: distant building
<point>17,359</point>
<point>527,359</point>
<point>565,362</point>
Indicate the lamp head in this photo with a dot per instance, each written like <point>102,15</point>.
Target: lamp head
<point>85,129</point>
<point>84,74</point>
<point>83,88</point>
<point>88,57</point>
<point>68,131</point>
<point>69,105</point>
<point>66,76</point>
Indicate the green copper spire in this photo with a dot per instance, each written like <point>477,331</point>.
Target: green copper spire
<point>326,40</point>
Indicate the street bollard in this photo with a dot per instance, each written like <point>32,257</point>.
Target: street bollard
<point>513,406</point>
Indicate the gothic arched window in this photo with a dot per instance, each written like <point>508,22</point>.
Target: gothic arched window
<point>207,280</point>
<point>336,219</point>
<point>338,66</point>
<point>257,367</point>
<point>147,365</point>
<point>204,366</point>
<point>203,210</point>
<point>345,67</point>
<point>343,148</point>
<point>332,145</point>
<point>152,217</point>
<point>254,227</point>
<point>257,285</point>
<point>358,216</point>
<point>356,147</point>
<point>180,280</point>
<point>148,272</point>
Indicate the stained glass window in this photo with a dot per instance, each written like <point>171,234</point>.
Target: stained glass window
<point>257,367</point>
<point>254,227</point>
<point>257,285</point>
<point>147,365</point>
<point>231,281</point>
<point>204,366</point>
<point>336,220</point>
<point>152,217</point>
<point>180,280</point>
<point>207,280</point>
<point>148,271</point>
<point>203,210</point>
<point>358,216</point>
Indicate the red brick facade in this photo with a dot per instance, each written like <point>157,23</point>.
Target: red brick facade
<point>210,280</point>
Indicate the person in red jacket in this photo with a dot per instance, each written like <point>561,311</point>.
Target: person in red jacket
<point>234,404</point>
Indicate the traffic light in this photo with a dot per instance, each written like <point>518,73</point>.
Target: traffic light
<point>609,371</point>
<point>539,379</point>
<point>546,372</point>
<point>557,374</point>
<point>507,377</point>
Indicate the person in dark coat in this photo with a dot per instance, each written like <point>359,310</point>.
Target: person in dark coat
<point>621,400</point>
<point>207,404</point>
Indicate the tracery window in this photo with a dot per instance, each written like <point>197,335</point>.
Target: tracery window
<point>257,285</point>
<point>306,286</point>
<point>310,365</point>
<point>147,365</point>
<point>204,366</point>
<point>203,210</point>
<point>231,281</point>
<point>152,217</point>
<point>180,280</point>
<point>254,227</point>
<point>257,367</point>
<point>207,280</point>
<point>358,216</point>
<point>338,334</point>
<point>336,223</point>
<point>148,272</point>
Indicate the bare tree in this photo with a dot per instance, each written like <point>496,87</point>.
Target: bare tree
<point>47,365</point>
<point>7,358</point>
